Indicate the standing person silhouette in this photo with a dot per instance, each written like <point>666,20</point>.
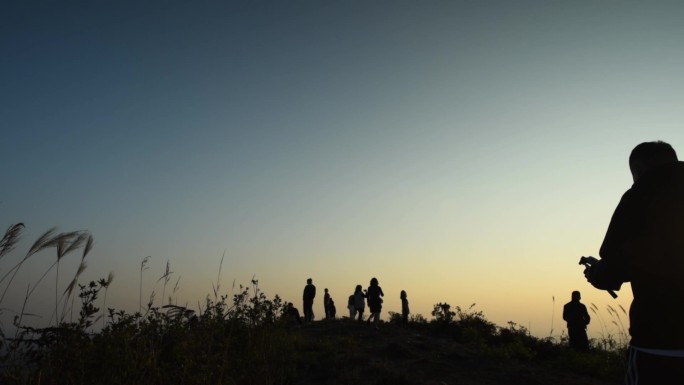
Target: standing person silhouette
<point>404,307</point>
<point>577,317</point>
<point>332,310</point>
<point>359,302</point>
<point>326,303</point>
<point>308,297</point>
<point>644,245</point>
<point>375,295</point>
<point>351,305</point>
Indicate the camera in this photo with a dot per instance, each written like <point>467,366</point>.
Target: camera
<point>589,262</point>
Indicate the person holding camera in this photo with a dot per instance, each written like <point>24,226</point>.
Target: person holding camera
<point>644,245</point>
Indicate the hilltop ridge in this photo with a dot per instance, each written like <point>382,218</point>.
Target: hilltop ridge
<point>344,352</point>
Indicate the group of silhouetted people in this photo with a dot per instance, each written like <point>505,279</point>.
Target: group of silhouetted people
<point>357,302</point>
<point>372,296</point>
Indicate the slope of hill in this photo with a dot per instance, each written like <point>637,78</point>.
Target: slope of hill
<point>344,352</point>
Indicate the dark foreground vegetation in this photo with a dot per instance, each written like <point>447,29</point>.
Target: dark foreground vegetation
<point>249,339</point>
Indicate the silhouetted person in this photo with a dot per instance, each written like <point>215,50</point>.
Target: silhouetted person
<point>577,317</point>
<point>309,295</point>
<point>644,245</point>
<point>375,295</point>
<point>404,307</point>
<point>326,303</point>
<point>293,314</point>
<point>359,302</point>
<point>351,305</point>
<point>332,311</point>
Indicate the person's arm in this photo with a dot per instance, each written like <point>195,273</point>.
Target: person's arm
<point>619,246</point>
<point>586,317</point>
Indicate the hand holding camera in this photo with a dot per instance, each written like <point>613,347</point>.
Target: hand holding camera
<point>589,266</point>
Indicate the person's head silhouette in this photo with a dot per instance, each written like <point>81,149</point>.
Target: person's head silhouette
<point>648,155</point>
<point>576,295</point>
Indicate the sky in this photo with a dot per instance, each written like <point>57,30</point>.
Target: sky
<point>468,152</point>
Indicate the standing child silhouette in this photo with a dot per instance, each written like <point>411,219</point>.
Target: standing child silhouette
<point>404,308</point>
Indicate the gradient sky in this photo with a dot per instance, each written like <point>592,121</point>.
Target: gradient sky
<point>464,151</point>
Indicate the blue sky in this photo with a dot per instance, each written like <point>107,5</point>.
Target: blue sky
<point>463,151</point>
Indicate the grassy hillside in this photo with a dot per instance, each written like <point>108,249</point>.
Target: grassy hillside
<point>251,339</point>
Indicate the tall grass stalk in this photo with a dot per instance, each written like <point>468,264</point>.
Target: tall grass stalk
<point>594,309</point>
<point>216,287</point>
<point>68,292</point>
<point>143,267</point>
<point>553,313</point>
<point>166,277</point>
<point>176,287</point>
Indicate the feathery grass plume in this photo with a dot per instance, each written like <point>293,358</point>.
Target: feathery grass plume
<point>218,279</point>
<point>177,312</point>
<point>143,266</point>
<point>11,238</point>
<point>88,247</point>
<point>66,243</point>
<point>63,242</point>
<point>42,243</point>
<point>166,277</point>
<point>150,302</point>
<point>77,240</point>
<point>594,309</point>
